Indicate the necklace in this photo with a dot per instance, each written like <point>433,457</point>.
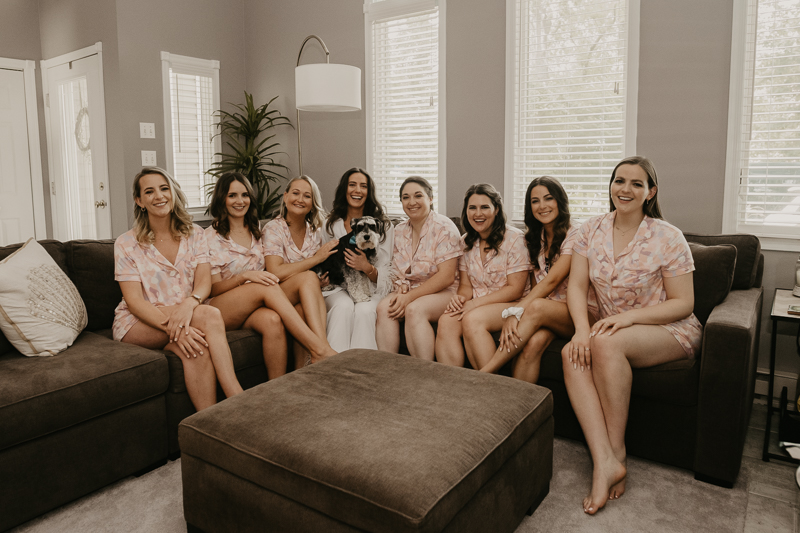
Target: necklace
<point>623,232</point>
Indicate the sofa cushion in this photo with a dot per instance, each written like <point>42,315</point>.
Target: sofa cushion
<point>748,255</point>
<point>41,311</point>
<point>94,376</point>
<point>713,276</point>
<point>92,272</point>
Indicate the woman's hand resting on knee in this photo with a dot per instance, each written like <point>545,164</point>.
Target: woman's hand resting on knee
<point>578,350</point>
<point>510,336</point>
<point>397,305</point>
<point>259,276</point>
<point>611,324</point>
<point>191,342</point>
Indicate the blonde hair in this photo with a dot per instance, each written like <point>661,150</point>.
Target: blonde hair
<point>316,217</point>
<point>180,222</point>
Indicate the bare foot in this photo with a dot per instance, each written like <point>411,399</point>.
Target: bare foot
<point>606,475</point>
<point>619,489</point>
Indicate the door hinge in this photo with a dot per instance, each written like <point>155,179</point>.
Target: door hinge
<point>47,100</point>
<point>53,188</point>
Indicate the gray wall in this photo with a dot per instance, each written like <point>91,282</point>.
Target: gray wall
<point>205,29</point>
<point>332,142</point>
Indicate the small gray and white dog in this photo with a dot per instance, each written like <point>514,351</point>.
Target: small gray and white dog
<point>366,235</point>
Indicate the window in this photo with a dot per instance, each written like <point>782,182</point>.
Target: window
<point>405,88</point>
<point>571,83</point>
<point>763,174</point>
<point>191,96</point>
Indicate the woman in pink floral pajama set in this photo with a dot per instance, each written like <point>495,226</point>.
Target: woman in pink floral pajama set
<point>641,269</point>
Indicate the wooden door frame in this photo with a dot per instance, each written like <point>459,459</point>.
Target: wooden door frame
<point>28,69</point>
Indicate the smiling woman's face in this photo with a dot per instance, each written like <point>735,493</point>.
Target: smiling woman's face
<point>357,189</point>
<point>543,205</point>
<point>298,198</point>
<point>630,189</point>
<point>415,200</point>
<point>155,195</point>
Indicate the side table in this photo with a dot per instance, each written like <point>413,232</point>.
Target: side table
<point>780,302</point>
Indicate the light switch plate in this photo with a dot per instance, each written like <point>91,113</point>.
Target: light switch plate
<point>148,158</point>
<point>147,130</point>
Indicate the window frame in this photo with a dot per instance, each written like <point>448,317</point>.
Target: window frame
<point>380,9</point>
<point>769,241</point>
<point>631,94</point>
<point>193,66</point>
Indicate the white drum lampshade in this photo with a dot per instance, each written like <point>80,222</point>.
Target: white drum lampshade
<point>327,87</point>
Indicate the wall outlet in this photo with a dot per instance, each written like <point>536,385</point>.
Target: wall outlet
<point>147,130</point>
<point>148,158</point>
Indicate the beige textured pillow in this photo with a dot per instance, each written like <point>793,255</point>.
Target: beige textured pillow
<point>41,312</point>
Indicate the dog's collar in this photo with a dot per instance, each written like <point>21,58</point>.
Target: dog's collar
<point>353,240</point>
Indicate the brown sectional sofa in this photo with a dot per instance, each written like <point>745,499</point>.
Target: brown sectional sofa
<point>103,410</point>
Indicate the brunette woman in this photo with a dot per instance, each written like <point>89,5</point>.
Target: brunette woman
<point>530,325</point>
<point>641,269</point>
<point>247,296</point>
<point>492,272</point>
<point>351,324</point>
<point>162,266</point>
<point>292,245</point>
<point>424,259</point>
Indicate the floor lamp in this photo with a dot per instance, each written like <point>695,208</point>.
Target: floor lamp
<point>324,87</point>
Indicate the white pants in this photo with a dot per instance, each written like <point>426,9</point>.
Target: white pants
<point>351,325</point>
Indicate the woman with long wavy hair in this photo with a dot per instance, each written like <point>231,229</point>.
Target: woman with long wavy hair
<point>162,266</point>
<point>247,295</point>
<point>352,324</point>
<point>492,272</point>
<point>530,326</point>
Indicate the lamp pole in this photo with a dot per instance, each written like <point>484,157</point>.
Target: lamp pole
<point>327,60</point>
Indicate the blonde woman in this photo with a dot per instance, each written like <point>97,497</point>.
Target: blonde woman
<point>162,267</point>
<point>292,246</point>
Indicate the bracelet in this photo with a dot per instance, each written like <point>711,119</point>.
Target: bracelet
<point>513,311</point>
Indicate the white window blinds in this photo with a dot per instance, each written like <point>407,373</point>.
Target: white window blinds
<point>404,86</point>
<point>191,98</point>
<point>569,99</point>
<point>769,162</point>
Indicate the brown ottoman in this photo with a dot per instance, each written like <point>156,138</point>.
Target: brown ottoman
<point>370,441</point>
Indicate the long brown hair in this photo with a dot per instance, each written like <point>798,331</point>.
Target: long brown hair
<point>180,223</point>
<point>372,206</point>
<point>535,229</point>
<point>498,230</point>
<point>219,209</point>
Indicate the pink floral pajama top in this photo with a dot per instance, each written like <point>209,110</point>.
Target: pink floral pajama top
<point>229,258</point>
<point>559,294</point>
<point>277,240</point>
<point>439,241</point>
<point>163,283</point>
<point>636,278</point>
<point>492,274</point>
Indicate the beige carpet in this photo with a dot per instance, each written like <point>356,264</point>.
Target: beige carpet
<point>659,499</point>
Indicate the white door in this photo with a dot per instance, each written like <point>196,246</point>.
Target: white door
<point>76,138</point>
<point>17,222</point>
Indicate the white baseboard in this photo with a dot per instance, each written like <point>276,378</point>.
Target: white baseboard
<point>782,379</point>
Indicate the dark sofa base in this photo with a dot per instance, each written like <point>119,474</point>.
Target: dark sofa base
<point>63,466</point>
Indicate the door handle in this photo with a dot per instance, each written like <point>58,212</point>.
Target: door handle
<point>100,204</point>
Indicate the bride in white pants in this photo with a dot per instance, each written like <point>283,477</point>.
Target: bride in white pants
<point>350,324</point>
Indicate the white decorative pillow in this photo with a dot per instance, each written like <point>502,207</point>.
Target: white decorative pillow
<point>41,311</point>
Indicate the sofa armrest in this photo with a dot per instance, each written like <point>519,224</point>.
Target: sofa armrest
<point>727,380</point>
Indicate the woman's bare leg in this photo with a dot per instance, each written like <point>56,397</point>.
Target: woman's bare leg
<point>479,324</point>
<point>209,320</point>
<point>387,330</point>
<point>273,339</point>
<point>239,303</point>
<point>304,289</point>
<point>448,348</point>
<point>419,314</point>
<point>529,361</point>
<point>198,372</point>
<point>540,313</point>
<point>604,389</point>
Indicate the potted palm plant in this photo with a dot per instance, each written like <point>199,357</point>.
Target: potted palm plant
<point>249,134</point>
